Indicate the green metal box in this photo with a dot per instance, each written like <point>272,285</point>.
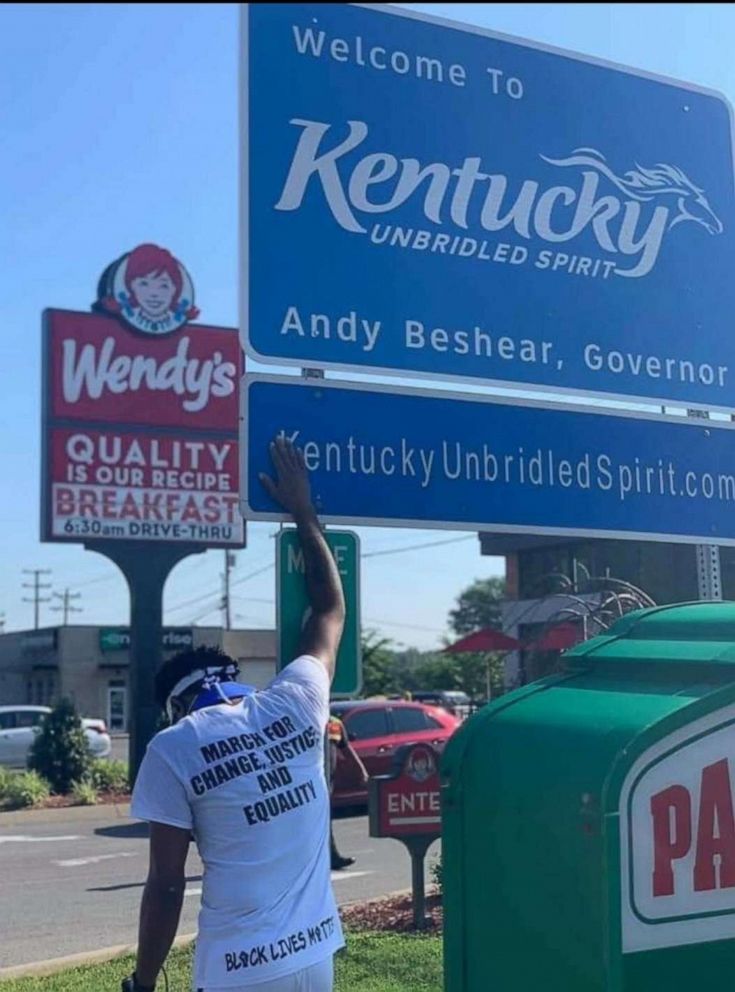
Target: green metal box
<point>588,825</point>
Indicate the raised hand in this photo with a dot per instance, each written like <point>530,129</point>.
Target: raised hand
<point>291,488</point>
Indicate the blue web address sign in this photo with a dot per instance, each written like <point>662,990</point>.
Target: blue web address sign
<point>430,200</point>
<point>411,458</point>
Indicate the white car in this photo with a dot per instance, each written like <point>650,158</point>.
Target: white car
<point>20,724</point>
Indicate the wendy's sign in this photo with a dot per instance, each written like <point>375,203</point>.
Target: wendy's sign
<point>102,371</point>
<point>406,803</point>
<point>149,290</point>
<point>140,413</point>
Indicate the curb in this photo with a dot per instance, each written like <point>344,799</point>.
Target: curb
<point>40,969</point>
<point>101,811</point>
<point>393,894</point>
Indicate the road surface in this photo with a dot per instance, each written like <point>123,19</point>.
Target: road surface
<point>72,879</point>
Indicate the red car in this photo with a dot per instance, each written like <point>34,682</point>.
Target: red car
<point>376,729</point>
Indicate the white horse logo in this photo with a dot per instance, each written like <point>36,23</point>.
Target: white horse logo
<point>646,185</point>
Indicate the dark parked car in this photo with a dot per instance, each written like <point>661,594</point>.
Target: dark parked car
<point>458,703</point>
<point>376,728</point>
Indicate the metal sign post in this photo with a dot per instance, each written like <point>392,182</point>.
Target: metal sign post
<point>145,569</point>
<point>708,572</point>
<point>708,555</point>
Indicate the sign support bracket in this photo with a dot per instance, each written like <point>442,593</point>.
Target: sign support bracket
<point>146,568</point>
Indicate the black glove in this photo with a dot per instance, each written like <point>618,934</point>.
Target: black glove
<point>131,984</point>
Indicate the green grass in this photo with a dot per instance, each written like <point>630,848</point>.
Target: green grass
<point>373,962</point>
<point>382,962</point>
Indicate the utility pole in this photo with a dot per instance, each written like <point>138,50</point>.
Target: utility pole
<point>37,586</point>
<point>226,603</point>
<point>66,597</point>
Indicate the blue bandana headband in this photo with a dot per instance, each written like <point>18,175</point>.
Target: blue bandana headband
<point>220,692</point>
<point>213,689</point>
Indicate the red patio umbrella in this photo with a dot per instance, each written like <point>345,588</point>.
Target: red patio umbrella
<point>488,639</point>
<point>559,638</point>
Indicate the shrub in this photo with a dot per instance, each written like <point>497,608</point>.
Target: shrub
<point>109,776</point>
<point>60,753</point>
<point>25,789</point>
<point>5,778</point>
<point>84,793</point>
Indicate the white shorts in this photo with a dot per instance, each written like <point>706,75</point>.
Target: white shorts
<point>318,978</point>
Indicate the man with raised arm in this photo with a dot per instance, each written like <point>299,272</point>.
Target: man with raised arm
<point>243,772</point>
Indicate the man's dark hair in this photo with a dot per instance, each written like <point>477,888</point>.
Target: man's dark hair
<point>176,668</point>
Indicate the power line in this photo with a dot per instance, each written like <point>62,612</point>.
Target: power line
<point>208,595</point>
<point>191,602</point>
<point>252,575</point>
<point>66,605</point>
<point>95,580</point>
<point>387,623</point>
<point>408,626</point>
<point>37,586</point>
<point>418,547</point>
<point>212,609</point>
<point>266,568</point>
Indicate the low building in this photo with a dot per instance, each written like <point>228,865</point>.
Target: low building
<point>539,569</point>
<point>90,665</point>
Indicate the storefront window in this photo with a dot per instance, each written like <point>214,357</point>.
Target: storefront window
<point>117,705</point>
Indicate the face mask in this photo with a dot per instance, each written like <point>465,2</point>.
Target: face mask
<point>207,679</point>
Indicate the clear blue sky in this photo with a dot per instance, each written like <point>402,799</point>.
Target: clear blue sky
<point>119,124</point>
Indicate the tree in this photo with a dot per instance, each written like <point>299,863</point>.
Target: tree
<point>60,753</point>
<point>464,672</point>
<point>478,606</point>
<point>379,676</point>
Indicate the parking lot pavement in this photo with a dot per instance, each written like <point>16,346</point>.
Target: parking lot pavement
<point>72,878</point>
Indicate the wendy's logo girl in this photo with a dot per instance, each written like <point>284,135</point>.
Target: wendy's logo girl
<point>149,289</point>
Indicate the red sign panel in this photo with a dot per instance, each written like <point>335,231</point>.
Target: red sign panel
<point>101,371</point>
<point>408,804</point>
<point>140,432</point>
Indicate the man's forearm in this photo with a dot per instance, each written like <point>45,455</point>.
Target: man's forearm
<point>160,910</point>
<point>323,583</point>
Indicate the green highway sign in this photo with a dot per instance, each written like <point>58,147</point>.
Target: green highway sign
<point>293,603</point>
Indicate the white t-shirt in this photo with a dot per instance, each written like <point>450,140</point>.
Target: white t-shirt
<point>248,780</point>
